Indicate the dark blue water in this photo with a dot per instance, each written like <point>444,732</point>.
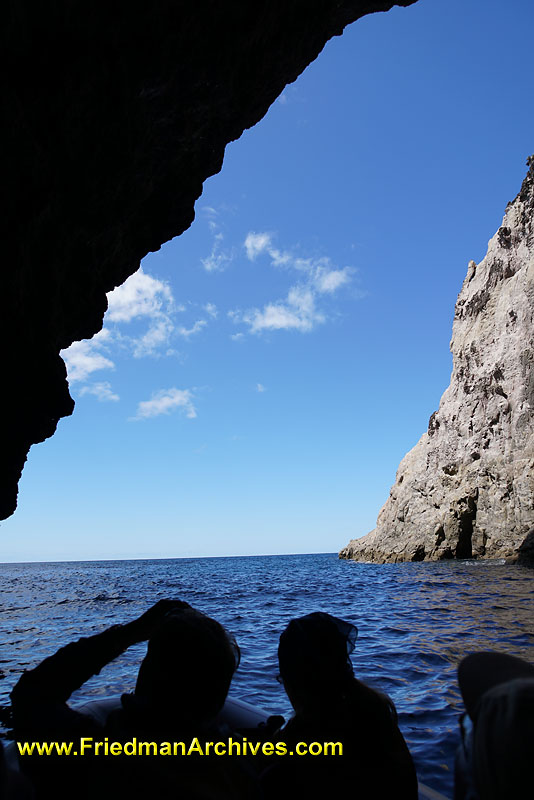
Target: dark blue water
<point>415,622</point>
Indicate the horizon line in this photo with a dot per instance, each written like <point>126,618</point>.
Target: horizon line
<point>162,558</point>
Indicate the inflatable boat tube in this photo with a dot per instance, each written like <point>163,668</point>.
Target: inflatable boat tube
<point>237,714</point>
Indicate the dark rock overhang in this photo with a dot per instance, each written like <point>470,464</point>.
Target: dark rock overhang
<point>115,114</point>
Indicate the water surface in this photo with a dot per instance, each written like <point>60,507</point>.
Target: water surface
<point>415,622</point>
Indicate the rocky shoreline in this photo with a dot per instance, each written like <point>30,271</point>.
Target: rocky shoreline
<point>466,490</point>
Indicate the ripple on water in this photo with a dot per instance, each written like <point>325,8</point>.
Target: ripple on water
<point>415,622</point>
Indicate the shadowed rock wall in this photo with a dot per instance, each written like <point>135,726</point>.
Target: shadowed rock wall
<point>116,112</point>
<point>467,487</point>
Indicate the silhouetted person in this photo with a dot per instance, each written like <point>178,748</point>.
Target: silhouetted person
<point>495,759</point>
<point>13,785</point>
<point>181,687</point>
<point>331,705</point>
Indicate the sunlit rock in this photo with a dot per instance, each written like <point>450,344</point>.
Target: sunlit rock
<point>467,488</point>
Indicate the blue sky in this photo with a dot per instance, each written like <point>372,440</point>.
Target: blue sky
<point>258,382</point>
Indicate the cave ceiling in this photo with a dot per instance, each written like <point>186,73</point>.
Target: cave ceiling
<point>115,115</point>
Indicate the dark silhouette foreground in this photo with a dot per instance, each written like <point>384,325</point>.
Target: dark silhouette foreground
<point>332,705</point>
<point>181,687</point>
<point>495,759</point>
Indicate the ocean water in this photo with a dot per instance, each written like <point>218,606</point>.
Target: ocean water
<point>415,622</point>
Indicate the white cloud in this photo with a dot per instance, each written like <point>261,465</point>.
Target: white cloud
<point>157,335</point>
<point>140,321</point>
<point>257,243</point>
<point>297,312</point>
<point>197,326</point>
<point>211,214</point>
<point>102,338</point>
<point>83,358</point>
<point>140,295</point>
<point>328,281</point>
<point>236,336</point>
<point>141,298</point>
<point>102,391</point>
<point>319,270</point>
<point>218,258</point>
<point>260,388</point>
<point>165,401</point>
<point>280,258</point>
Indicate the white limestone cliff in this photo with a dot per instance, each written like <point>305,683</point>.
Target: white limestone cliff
<point>467,488</point>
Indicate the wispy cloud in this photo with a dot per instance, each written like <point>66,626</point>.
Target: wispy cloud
<point>84,358</point>
<point>330,280</point>
<point>164,402</point>
<point>211,214</point>
<point>256,243</point>
<point>197,326</point>
<point>140,322</point>
<point>320,271</point>
<point>298,311</point>
<point>260,388</point>
<point>216,259</point>
<point>157,336</point>
<point>142,296</point>
<point>219,258</point>
<point>289,95</point>
<point>102,391</point>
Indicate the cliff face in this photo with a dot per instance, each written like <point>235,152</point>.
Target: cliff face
<point>115,114</point>
<point>467,487</point>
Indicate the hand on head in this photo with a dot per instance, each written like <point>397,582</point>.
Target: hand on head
<point>189,663</point>
<point>144,626</point>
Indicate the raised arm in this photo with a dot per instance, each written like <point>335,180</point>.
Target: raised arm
<point>39,700</point>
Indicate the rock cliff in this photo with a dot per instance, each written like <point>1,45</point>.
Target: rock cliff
<point>467,487</point>
<point>114,115</point>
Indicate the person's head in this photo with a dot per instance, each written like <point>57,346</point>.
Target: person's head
<point>188,667</point>
<point>498,694</point>
<point>314,659</point>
